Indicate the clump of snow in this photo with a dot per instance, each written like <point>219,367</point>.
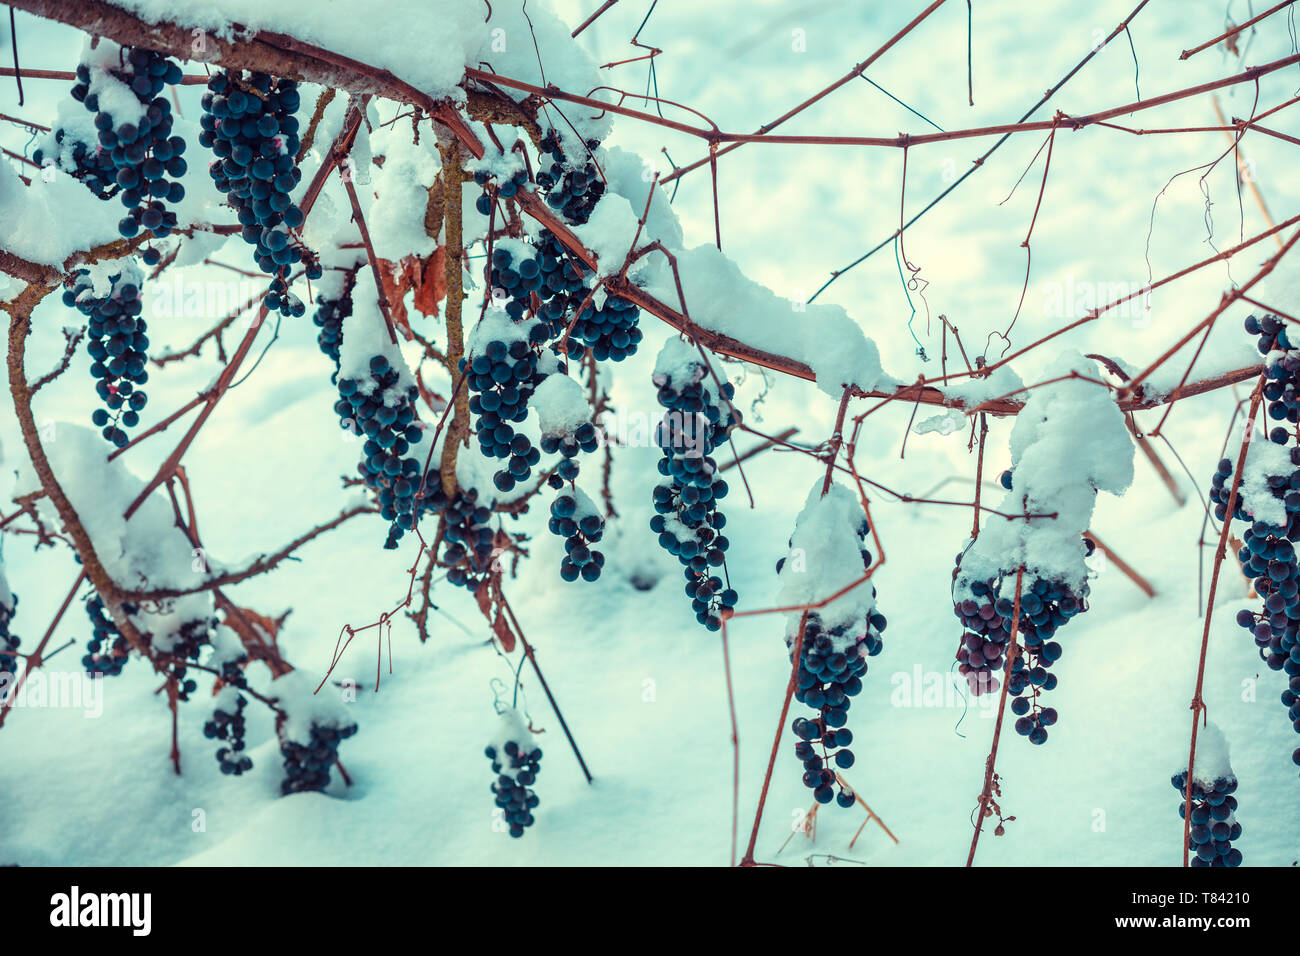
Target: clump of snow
<point>365,335</point>
<point>585,506</point>
<point>718,295</point>
<point>403,190</point>
<point>825,557</point>
<point>227,648</point>
<point>608,232</point>
<point>1002,382</point>
<point>722,299</point>
<point>48,221</point>
<point>116,98</point>
<point>511,725</point>
<point>561,405</point>
<point>1264,460</point>
<point>502,166</point>
<point>1068,443</point>
<point>678,362</point>
<point>1212,762</point>
<point>146,552</point>
<point>497,326</point>
<point>296,697</point>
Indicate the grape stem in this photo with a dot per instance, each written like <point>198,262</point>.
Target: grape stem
<point>1198,703</point>
<point>986,794</point>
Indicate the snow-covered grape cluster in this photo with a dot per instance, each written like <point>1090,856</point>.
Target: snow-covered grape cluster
<point>307,766</point>
<point>520,271</point>
<point>575,518</point>
<point>378,408</point>
<point>106,651</point>
<point>686,517</point>
<point>829,541</point>
<point>1213,826</point>
<point>516,760</point>
<point>565,418</point>
<point>1069,443</point>
<point>1221,492</point>
<point>1269,498</point>
<point>228,726</point>
<point>117,344</point>
<point>139,146</point>
<point>88,163</point>
<point>607,327</point>
<point>609,330</point>
<point>572,189</point>
<point>249,124</point>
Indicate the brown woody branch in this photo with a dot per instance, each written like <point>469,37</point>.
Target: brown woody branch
<point>261,565</point>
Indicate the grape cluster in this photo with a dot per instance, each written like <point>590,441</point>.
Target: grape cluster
<point>563,283</point>
<point>686,517</point>
<point>329,316</point>
<point>1214,824</point>
<point>1221,491</point>
<point>106,651</point>
<point>467,535</point>
<point>307,766</point>
<point>583,438</point>
<point>506,190</point>
<point>1282,390</point>
<point>516,278</point>
<point>1045,605</point>
<point>144,153</point>
<point>375,406</point>
<point>571,189</point>
<point>184,645</point>
<point>831,666</point>
<point>118,347</point>
<point>9,642</point>
<point>574,517</point>
<point>547,272</point>
<point>89,163</point>
<point>229,728</point>
<point>502,377</point>
<point>517,767</point>
<point>610,330</point>
<point>1268,554</point>
<point>249,124</point>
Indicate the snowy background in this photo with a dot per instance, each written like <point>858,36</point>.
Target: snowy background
<point>640,683</point>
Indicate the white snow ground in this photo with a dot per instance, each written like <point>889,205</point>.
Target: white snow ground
<point>640,683</point>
